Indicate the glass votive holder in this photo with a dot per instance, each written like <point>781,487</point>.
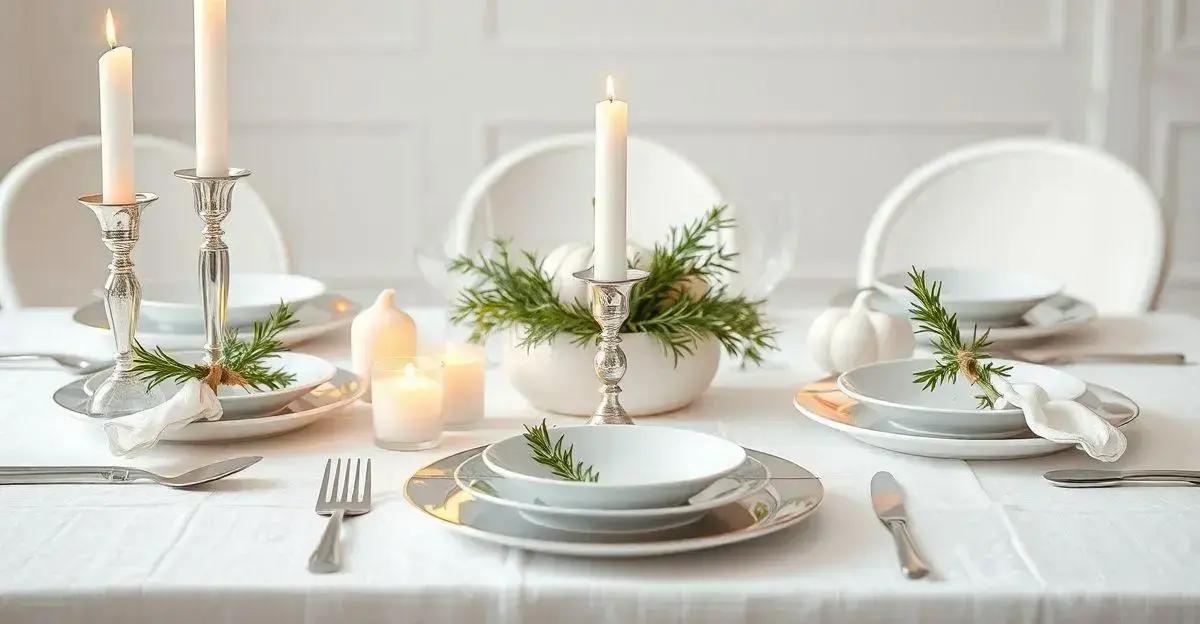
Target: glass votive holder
<point>406,406</point>
<point>463,367</point>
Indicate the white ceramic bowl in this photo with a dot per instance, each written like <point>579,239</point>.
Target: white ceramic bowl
<point>560,377</point>
<point>237,402</point>
<point>984,295</point>
<point>252,297</point>
<point>950,410</point>
<point>640,466</point>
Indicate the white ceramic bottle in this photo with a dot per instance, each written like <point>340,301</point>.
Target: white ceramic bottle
<point>379,332</point>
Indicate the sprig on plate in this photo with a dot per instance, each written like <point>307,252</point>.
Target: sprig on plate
<point>561,462</point>
<point>953,356</point>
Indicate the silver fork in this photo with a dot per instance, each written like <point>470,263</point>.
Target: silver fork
<point>337,503</point>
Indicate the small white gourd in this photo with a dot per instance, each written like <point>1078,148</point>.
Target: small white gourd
<point>841,339</point>
<point>570,258</point>
<point>379,332</point>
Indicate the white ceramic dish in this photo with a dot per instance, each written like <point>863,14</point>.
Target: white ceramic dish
<point>323,400</point>
<point>950,410</point>
<point>791,495</point>
<point>484,484</point>
<point>1057,315</point>
<point>252,297</point>
<point>640,467</point>
<point>831,408</point>
<point>310,371</point>
<point>984,295</point>
<point>320,316</point>
<point>560,377</point>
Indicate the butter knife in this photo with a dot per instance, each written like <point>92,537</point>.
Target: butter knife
<point>887,497</point>
<point>1108,478</point>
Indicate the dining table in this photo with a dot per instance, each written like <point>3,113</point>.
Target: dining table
<point>1004,545</point>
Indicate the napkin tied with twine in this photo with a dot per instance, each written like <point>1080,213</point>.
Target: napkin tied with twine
<point>1066,421</point>
<point>134,434</point>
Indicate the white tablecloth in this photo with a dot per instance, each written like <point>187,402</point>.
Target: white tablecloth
<point>1005,545</point>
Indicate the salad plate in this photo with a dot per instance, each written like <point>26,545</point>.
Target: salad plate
<point>991,296</point>
<point>482,483</point>
<point>792,494</point>
<point>252,297</point>
<point>822,403</point>
<point>343,389</point>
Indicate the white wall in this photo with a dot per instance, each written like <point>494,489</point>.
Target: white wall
<point>381,111</point>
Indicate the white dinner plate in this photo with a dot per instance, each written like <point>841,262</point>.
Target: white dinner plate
<point>252,297</point>
<point>791,495</point>
<point>484,484</point>
<point>310,371</point>
<point>639,467</point>
<point>824,404</point>
<point>1057,315</point>
<point>951,409</point>
<point>318,317</point>
<point>326,398</point>
<point>992,296</point>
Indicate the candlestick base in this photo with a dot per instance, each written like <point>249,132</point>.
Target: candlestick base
<point>610,307</point>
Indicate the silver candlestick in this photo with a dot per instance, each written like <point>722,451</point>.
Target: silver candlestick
<point>212,197</point>
<point>610,308</point>
<point>122,392</point>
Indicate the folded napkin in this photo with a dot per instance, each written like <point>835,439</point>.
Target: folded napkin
<point>136,433</point>
<point>1064,421</point>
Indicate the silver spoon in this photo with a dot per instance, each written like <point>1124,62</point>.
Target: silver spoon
<point>74,363</point>
<point>20,475</point>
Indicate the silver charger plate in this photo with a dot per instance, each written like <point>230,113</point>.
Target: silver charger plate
<point>317,317</point>
<point>340,391</point>
<point>791,495</point>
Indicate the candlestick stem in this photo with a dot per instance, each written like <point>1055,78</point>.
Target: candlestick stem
<point>610,307</point>
<point>212,196</point>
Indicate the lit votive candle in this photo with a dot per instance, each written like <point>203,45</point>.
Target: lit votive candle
<point>407,403</point>
<point>462,381</point>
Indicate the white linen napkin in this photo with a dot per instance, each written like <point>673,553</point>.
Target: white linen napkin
<point>1064,421</point>
<point>134,434</point>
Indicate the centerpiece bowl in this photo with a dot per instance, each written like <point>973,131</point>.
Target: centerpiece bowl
<point>639,467</point>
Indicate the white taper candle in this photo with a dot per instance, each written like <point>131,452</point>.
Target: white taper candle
<point>116,119</point>
<point>212,89</point>
<point>612,132</point>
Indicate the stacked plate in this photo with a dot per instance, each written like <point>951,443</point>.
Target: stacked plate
<point>880,405</point>
<point>660,490</point>
<point>1014,306</point>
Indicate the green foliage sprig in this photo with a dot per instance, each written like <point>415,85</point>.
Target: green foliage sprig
<point>560,461</point>
<point>243,362</point>
<point>514,292</point>
<point>953,356</point>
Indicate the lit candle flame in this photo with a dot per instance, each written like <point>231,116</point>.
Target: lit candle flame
<point>608,88</point>
<point>110,29</point>
<point>410,371</point>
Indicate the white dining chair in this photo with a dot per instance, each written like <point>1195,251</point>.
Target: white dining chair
<point>50,249</point>
<point>1036,205</point>
<point>539,195</point>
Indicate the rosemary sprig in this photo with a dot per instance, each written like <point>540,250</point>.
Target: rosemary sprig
<point>552,455</point>
<point>953,356</point>
<point>512,291</point>
<point>243,362</point>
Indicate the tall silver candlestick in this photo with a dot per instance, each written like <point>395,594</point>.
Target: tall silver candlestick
<point>122,392</point>
<point>610,308</point>
<point>212,197</point>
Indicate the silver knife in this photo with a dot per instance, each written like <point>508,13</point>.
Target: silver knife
<point>1109,478</point>
<point>887,497</point>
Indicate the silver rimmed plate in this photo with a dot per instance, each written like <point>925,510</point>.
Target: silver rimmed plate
<point>822,403</point>
<point>483,483</point>
<point>791,495</point>
<point>338,392</point>
<point>319,316</point>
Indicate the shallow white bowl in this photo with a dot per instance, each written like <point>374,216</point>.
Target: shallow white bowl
<point>252,297</point>
<point>985,295</point>
<point>950,410</point>
<point>640,466</point>
<point>310,371</point>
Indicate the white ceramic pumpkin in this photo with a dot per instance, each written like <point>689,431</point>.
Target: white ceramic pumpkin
<point>570,258</point>
<point>841,339</point>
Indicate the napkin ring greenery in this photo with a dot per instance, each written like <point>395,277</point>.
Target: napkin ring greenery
<point>952,355</point>
<point>516,293</point>
<point>243,362</point>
